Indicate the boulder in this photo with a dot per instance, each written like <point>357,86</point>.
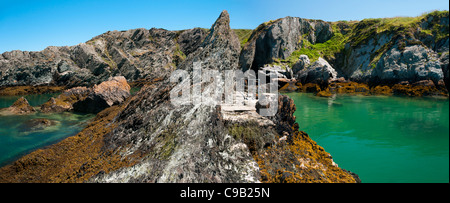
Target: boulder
<point>21,107</point>
<point>108,93</point>
<point>303,62</point>
<point>65,100</point>
<point>319,71</point>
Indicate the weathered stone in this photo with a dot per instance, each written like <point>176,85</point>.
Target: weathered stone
<point>319,71</point>
<point>108,93</point>
<point>303,62</point>
<point>65,100</point>
<point>20,107</point>
<point>278,39</point>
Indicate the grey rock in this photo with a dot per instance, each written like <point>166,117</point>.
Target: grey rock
<point>134,54</point>
<point>303,62</point>
<point>415,63</point>
<point>278,39</point>
<point>317,72</point>
<point>108,93</point>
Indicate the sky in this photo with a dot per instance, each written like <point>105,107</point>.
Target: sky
<point>33,25</point>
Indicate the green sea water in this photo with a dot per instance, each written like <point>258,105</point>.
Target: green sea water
<point>16,139</point>
<point>382,139</point>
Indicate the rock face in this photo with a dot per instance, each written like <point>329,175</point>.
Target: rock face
<point>134,54</point>
<point>219,50</point>
<point>396,54</point>
<point>278,39</point>
<point>415,63</point>
<point>317,72</point>
<point>20,107</point>
<point>375,51</point>
<point>108,93</point>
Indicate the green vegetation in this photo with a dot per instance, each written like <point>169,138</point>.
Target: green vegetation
<point>327,49</point>
<point>403,31</point>
<point>243,35</point>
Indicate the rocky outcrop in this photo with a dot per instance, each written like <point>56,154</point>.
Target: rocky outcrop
<point>318,72</point>
<point>371,51</point>
<point>90,100</point>
<point>413,64</point>
<point>65,101</point>
<point>108,93</point>
<point>219,50</point>
<point>279,38</point>
<point>19,107</point>
<point>134,54</point>
<point>380,53</point>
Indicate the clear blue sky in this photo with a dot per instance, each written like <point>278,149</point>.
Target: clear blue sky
<point>34,25</point>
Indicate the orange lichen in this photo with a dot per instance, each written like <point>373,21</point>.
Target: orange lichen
<point>311,87</point>
<point>324,93</point>
<point>350,88</point>
<point>381,90</point>
<point>299,161</point>
<point>417,90</point>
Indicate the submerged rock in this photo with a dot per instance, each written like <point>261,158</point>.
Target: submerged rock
<point>37,124</point>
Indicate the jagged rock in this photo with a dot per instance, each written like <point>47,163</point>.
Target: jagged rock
<point>134,54</point>
<point>219,50</point>
<point>65,100</point>
<point>278,39</point>
<point>20,107</point>
<point>319,71</point>
<point>190,40</point>
<point>108,93</point>
<point>303,62</point>
<point>415,63</point>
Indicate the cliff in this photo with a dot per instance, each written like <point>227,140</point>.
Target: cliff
<point>373,51</point>
<point>149,139</point>
<point>146,138</point>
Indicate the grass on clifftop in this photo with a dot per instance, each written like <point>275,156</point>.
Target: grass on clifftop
<point>405,31</point>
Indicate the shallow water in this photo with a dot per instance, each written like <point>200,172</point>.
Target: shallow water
<point>16,139</point>
<point>382,139</point>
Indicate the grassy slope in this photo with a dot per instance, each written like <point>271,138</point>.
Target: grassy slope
<point>356,33</point>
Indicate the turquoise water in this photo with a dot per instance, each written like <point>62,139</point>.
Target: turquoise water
<point>382,139</point>
<point>16,139</point>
